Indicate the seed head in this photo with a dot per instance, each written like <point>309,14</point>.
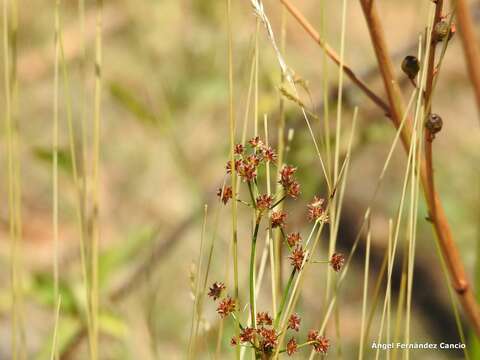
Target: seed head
<point>293,189</point>
<point>268,339</point>
<point>441,30</point>
<point>286,175</point>
<point>294,322</point>
<point>247,170</point>
<point>254,142</point>
<point>411,66</point>
<point>336,261</point>
<point>264,202</point>
<point>263,318</point>
<point>293,239</point>
<point>434,124</point>
<point>291,347</point>
<point>238,150</point>
<point>229,166</point>
<point>316,210</point>
<point>226,307</point>
<point>216,289</point>
<point>320,344</point>
<point>296,257</point>
<point>234,341</point>
<point>278,219</point>
<point>247,334</point>
<point>225,194</point>
<point>269,154</point>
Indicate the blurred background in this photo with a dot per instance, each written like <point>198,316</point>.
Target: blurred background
<point>164,146</point>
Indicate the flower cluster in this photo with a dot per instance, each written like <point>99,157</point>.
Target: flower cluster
<point>225,194</point>
<point>226,307</point>
<point>336,261</point>
<point>264,338</point>
<point>320,343</point>
<point>296,257</point>
<point>262,335</point>
<point>278,219</point>
<point>246,165</point>
<point>317,210</point>
<point>287,179</point>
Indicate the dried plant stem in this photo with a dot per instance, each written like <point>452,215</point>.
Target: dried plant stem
<point>55,169</point>
<point>94,351</point>
<point>277,242</point>
<point>233,174</point>
<point>470,46</point>
<point>80,188</point>
<point>54,352</point>
<point>365,292</point>
<point>197,301</point>
<point>437,214</point>
<point>10,30</point>
<point>334,56</point>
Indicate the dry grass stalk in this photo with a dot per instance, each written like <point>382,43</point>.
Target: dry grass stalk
<point>436,211</point>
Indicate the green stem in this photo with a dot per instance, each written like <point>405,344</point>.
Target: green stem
<point>278,202</point>
<point>252,270</point>
<point>250,190</point>
<point>284,298</point>
<point>299,346</point>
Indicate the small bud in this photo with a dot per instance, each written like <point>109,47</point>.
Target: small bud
<point>441,30</point>
<point>434,124</point>
<point>410,66</point>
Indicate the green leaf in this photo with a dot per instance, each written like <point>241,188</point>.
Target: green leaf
<point>132,104</point>
<point>46,155</point>
<point>42,288</point>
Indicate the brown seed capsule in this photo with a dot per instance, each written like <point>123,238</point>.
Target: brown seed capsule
<point>434,124</point>
<point>410,66</point>
<point>441,30</point>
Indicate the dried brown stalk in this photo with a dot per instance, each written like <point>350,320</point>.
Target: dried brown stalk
<point>334,56</point>
<point>396,110</point>
<point>436,211</point>
<point>470,46</point>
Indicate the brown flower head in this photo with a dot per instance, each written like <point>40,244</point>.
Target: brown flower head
<point>291,347</point>
<point>263,318</point>
<point>216,289</point>
<point>294,322</point>
<point>286,175</point>
<point>278,219</point>
<point>225,194</point>
<point>254,142</point>
<point>336,261</point>
<point>226,307</point>
<point>269,154</point>
<point>238,150</point>
<point>264,202</point>
<point>268,339</point>
<point>247,334</point>
<point>296,257</point>
<point>247,170</point>
<point>253,160</point>
<point>316,210</point>
<point>238,162</point>
<point>320,343</point>
<point>312,335</point>
<point>293,189</point>
<point>293,239</point>
<point>234,341</point>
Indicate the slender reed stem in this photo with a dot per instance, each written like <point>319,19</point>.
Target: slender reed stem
<point>439,219</point>
<point>470,45</point>
<point>233,174</point>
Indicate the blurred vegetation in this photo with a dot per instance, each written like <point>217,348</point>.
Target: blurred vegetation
<point>163,151</point>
